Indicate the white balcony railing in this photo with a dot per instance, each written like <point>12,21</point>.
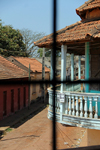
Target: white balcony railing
<point>75,107</point>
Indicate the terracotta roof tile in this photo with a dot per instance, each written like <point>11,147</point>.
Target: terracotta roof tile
<point>76,32</point>
<point>35,65</point>
<point>85,30</point>
<point>90,4</point>
<point>10,71</point>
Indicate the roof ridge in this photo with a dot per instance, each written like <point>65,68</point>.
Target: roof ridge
<point>10,70</point>
<point>12,64</point>
<point>21,64</point>
<point>85,4</point>
<point>22,61</point>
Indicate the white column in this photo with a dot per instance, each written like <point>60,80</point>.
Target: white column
<point>79,68</point>
<point>63,77</point>
<point>63,66</point>
<point>72,67</point>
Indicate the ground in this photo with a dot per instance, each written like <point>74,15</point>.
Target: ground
<point>36,134</point>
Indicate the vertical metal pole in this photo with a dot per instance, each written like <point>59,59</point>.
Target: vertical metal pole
<point>43,75</point>
<point>54,65</point>
<point>29,90</point>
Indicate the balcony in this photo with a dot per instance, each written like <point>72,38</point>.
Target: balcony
<point>75,107</point>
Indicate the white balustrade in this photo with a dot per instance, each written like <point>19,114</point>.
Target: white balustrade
<point>73,105</point>
<point>90,107</point>
<point>76,104</point>
<point>69,97</point>
<point>76,97</point>
<point>81,106</point>
<point>85,107</point>
<point>66,105</point>
<point>96,107</point>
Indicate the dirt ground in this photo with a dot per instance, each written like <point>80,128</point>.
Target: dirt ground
<point>36,134</point>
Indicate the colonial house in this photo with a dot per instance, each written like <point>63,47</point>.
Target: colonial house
<point>76,106</point>
<point>12,97</point>
<point>35,74</point>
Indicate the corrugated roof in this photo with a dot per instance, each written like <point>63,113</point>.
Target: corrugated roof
<point>35,65</point>
<point>10,71</point>
<point>78,32</point>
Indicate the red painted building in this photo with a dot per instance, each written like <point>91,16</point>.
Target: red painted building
<point>13,97</point>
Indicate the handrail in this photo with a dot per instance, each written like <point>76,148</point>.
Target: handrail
<point>75,108</point>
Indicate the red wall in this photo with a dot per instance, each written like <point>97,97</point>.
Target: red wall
<point>8,88</point>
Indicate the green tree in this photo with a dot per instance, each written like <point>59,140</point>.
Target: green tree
<point>28,38</point>
<point>11,42</point>
<point>47,52</point>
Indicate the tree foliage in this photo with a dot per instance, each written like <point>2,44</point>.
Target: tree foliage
<point>11,42</point>
<point>47,52</point>
<point>28,38</point>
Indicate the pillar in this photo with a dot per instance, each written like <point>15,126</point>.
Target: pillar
<point>87,52</point>
<point>79,68</point>
<point>72,67</point>
<point>63,77</point>
<point>63,66</point>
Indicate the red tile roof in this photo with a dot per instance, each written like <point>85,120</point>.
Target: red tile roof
<point>10,71</point>
<point>35,65</point>
<point>78,32</point>
<point>90,4</point>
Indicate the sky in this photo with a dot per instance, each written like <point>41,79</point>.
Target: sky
<point>37,15</point>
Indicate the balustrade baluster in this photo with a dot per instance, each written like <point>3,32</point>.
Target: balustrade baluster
<point>81,106</point>
<point>85,107</point>
<point>69,105</point>
<point>73,105</point>
<point>66,104</point>
<point>76,105</point>
<point>96,107</point>
<point>49,101</point>
<point>90,107</point>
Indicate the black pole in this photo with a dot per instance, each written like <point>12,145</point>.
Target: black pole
<point>54,67</point>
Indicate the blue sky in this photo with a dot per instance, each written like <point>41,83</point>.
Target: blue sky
<point>36,15</point>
